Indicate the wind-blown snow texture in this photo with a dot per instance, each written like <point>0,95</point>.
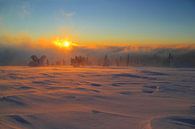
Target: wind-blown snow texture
<point>97,98</point>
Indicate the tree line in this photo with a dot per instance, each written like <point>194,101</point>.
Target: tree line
<point>121,60</point>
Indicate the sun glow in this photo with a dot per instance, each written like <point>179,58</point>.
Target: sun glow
<point>63,43</point>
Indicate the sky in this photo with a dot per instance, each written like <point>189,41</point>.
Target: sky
<point>110,22</point>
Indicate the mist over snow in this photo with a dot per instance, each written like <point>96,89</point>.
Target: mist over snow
<point>18,52</point>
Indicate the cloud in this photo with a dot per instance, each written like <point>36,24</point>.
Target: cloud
<point>68,14</point>
<point>24,9</point>
<point>20,8</point>
<point>64,15</point>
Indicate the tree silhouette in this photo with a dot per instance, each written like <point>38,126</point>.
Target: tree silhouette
<point>106,61</point>
<point>42,61</point>
<point>128,61</point>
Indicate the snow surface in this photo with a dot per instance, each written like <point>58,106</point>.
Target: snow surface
<point>97,98</point>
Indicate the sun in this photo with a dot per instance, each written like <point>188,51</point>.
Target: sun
<point>66,43</point>
<point>62,43</point>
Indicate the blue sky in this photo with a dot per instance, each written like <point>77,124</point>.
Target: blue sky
<point>112,21</point>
